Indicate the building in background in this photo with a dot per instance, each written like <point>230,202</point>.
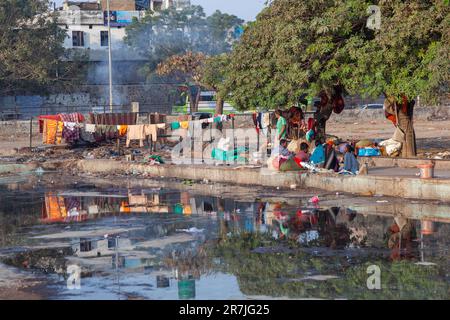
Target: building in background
<point>86,22</point>
<point>87,33</point>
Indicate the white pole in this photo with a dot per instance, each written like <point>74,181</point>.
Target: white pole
<point>109,60</point>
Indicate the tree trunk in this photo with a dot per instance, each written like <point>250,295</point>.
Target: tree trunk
<point>405,122</point>
<point>194,98</point>
<point>219,110</point>
<point>219,105</point>
<point>402,114</point>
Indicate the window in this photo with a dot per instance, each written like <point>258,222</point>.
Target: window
<point>111,243</point>
<point>104,38</point>
<point>85,246</point>
<point>78,38</point>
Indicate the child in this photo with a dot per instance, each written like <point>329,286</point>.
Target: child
<point>351,165</point>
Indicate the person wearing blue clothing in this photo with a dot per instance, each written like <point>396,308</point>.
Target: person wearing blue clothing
<point>318,155</point>
<point>351,165</point>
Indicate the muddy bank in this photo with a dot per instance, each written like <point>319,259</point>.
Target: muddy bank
<point>17,285</point>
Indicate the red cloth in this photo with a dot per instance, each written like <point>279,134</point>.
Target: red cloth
<point>72,117</point>
<point>391,117</point>
<point>311,123</point>
<point>298,161</point>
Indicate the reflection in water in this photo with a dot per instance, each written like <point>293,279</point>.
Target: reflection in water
<point>259,248</point>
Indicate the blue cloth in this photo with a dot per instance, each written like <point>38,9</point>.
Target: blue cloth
<point>285,152</point>
<point>350,163</point>
<point>318,155</point>
<point>310,135</point>
<point>369,152</point>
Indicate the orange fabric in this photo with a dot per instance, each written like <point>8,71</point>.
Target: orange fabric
<point>49,132</point>
<point>184,124</point>
<point>125,207</point>
<point>55,208</point>
<point>122,130</point>
<point>52,132</point>
<point>187,210</point>
<point>59,130</point>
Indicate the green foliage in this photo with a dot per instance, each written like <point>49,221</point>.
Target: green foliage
<point>296,47</point>
<point>278,273</point>
<point>30,47</point>
<point>213,73</point>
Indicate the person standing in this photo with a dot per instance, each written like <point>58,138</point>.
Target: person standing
<point>281,125</point>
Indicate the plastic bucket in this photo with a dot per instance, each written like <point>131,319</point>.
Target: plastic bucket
<point>426,170</point>
<point>186,289</point>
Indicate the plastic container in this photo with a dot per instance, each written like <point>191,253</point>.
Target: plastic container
<point>186,289</point>
<point>426,170</point>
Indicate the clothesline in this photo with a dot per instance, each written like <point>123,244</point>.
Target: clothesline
<point>72,128</point>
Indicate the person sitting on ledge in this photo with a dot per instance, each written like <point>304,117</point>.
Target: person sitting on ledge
<point>318,156</point>
<point>351,165</point>
<point>303,154</point>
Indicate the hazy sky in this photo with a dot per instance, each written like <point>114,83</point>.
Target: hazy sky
<point>245,9</point>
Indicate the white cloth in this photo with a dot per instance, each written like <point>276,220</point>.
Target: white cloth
<point>90,128</point>
<point>224,144</point>
<point>70,125</point>
<point>391,146</point>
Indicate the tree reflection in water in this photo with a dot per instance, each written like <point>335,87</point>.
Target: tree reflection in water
<point>280,261</point>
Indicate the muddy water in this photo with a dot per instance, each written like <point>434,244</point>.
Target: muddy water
<point>89,242</point>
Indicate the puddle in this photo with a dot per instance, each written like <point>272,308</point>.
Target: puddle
<point>151,243</point>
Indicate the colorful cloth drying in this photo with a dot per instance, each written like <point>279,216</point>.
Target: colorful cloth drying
<point>184,124</point>
<point>151,130</point>
<point>136,132</point>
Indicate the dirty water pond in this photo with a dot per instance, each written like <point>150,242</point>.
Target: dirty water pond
<point>84,241</point>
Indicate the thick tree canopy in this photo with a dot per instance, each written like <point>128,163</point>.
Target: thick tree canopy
<point>296,47</point>
<point>158,36</point>
<point>30,46</point>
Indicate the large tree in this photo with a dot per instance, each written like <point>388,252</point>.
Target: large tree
<point>185,69</point>
<point>31,48</point>
<point>296,47</point>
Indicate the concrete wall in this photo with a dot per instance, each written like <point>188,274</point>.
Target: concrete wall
<point>85,99</point>
<point>410,188</point>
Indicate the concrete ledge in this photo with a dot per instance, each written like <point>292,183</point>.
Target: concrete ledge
<point>404,187</point>
<point>9,168</point>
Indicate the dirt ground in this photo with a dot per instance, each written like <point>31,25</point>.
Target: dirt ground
<point>16,285</point>
<point>432,136</point>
